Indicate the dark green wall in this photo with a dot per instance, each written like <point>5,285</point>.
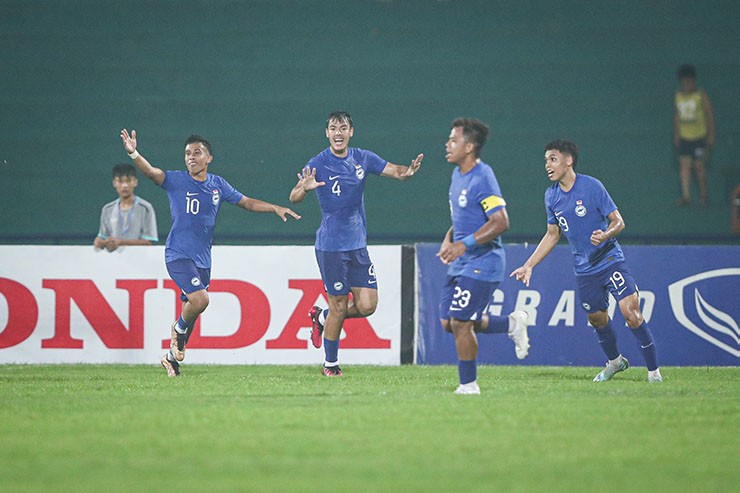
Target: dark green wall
<point>258,79</point>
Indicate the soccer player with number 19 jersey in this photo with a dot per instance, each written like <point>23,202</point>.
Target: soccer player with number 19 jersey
<point>195,199</point>
<point>580,207</point>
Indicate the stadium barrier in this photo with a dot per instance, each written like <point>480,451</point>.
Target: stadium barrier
<point>690,295</point>
<point>71,304</point>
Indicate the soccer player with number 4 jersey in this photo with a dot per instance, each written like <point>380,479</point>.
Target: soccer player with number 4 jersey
<point>338,175</point>
<point>579,207</point>
<point>195,198</point>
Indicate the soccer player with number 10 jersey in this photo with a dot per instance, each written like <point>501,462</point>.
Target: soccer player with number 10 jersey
<point>195,198</point>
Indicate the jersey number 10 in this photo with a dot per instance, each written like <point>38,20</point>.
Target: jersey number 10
<point>192,205</point>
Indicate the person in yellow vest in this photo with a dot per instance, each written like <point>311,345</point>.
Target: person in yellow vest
<point>693,133</point>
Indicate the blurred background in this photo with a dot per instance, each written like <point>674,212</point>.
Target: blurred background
<point>258,78</point>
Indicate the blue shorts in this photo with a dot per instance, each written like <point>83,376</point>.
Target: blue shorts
<point>697,149</point>
<point>465,298</point>
<point>188,277</point>
<point>341,271</point>
<point>594,289</point>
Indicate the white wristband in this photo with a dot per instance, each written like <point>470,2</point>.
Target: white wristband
<point>133,155</point>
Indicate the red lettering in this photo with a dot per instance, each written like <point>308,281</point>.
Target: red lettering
<point>93,305</point>
<point>23,313</point>
<point>254,320</point>
<point>358,331</point>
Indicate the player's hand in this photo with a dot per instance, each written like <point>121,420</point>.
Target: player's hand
<point>413,167</point>
<point>449,251</point>
<point>307,178</point>
<point>523,274</point>
<point>284,212</point>
<point>129,141</point>
<point>598,237</point>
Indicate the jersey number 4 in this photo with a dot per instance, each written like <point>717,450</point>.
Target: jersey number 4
<point>336,189</point>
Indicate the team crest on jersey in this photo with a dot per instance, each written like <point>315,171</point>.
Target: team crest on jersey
<point>580,208</point>
<point>216,196</point>
<point>359,172</point>
<point>462,200</point>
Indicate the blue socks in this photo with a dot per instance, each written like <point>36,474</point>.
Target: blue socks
<point>331,350</point>
<point>497,325</point>
<point>468,371</point>
<point>608,340</point>
<point>181,326</point>
<point>647,345</point>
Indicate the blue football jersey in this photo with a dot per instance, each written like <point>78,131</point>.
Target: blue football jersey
<point>474,196</point>
<point>341,200</point>
<point>579,212</point>
<point>194,206</point>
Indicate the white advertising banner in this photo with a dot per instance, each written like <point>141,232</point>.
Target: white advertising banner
<point>72,304</point>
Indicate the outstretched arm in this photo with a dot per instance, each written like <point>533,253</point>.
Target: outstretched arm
<point>398,172</point>
<point>256,205</point>
<point>547,243</point>
<point>129,144</point>
<point>306,183</point>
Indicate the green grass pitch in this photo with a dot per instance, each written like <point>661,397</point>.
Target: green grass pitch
<point>113,428</point>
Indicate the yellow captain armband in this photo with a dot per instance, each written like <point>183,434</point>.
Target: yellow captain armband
<point>492,202</point>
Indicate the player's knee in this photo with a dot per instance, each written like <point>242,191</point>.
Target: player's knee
<point>460,326</point>
<point>367,309</point>
<point>634,319</point>
<point>199,301</point>
<point>598,320</point>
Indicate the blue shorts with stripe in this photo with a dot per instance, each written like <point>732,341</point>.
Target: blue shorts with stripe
<point>341,271</point>
<point>594,289</point>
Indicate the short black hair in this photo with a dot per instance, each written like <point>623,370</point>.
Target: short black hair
<point>197,138</point>
<point>474,131</point>
<point>124,169</point>
<point>686,71</point>
<point>340,116</point>
<point>565,147</point>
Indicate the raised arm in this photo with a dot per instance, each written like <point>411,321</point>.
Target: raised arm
<point>256,205</point>
<point>129,144</point>
<point>547,243</point>
<point>306,183</point>
<point>398,172</point>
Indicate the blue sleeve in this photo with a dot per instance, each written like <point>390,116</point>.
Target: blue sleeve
<point>230,194</point>
<point>551,219</point>
<point>488,193</point>
<point>605,202</point>
<point>373,163</point>
<point>169,180</point>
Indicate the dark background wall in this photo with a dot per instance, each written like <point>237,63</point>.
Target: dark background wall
<point>258,78</point>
